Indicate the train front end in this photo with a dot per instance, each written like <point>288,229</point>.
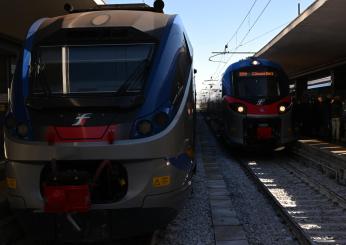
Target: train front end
<point>99,134</point>
<point>257,107</point>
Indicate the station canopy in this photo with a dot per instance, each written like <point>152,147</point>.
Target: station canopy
<point>16,16</point>
<point>315,40</point>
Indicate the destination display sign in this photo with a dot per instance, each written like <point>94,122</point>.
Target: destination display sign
<point>256,74</point>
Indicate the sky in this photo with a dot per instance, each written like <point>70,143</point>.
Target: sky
<point>211,25</point>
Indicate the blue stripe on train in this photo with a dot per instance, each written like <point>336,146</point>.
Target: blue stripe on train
<point>21,81</point>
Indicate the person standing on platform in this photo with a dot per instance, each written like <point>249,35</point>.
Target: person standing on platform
<point>314,116</point>
<point>343,119</point>
<point>328,101</point>
<point>336,113</point>
<point>304,107</point>
<point>324,117</point>
<point>297,116</point>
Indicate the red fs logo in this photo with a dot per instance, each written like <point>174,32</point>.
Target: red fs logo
<point>81,119</point>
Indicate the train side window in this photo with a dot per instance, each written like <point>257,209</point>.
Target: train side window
<point>188,47</point>
<point>182,71</point>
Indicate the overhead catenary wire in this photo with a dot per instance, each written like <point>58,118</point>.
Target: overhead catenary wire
<point>248,32</point>
<point>264,34</point>
<point>250,41</point>
<point>222,61</point>
<point>241,24</point>
<point>253,25</point>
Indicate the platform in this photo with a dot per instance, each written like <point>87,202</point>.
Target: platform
<point>331,157</point>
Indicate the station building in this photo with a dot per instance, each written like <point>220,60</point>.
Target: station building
<point>312,49</point>
<point>16,17</point>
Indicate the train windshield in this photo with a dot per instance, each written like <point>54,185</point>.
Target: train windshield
<point>91,69</point>
<point>258,84</point>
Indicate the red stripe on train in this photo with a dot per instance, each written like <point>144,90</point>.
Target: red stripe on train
<point>81,134</point>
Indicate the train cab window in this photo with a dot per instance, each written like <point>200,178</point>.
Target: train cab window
<point>48,66</point>
<point>258,83</point>
<point>92,69</point>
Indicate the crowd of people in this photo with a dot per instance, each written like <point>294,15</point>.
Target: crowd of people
<point>321,116</point>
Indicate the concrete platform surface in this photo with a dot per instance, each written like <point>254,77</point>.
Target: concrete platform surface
<point>229,233</point>
<point>237,242</point>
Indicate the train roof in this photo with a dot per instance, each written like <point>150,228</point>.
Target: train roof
<point>131,6</point>
<point>249,63</point>
<point>146,21</point>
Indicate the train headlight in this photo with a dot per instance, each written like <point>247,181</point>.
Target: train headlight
<point>22,129</point>
<point>241,109</point>
<point>152,124</point>
<point>256,63</point>
<point>282,108</point>
<point>161,119</point>
<point>238,107</point>
<point>144,127</point>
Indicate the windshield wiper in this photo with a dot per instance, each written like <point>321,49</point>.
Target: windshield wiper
<point>41,78</point>
<point>139,73</point>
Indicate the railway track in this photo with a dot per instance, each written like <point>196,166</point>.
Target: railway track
<point>314,212</point>
<point>260,221</point>
<point>312,205</point>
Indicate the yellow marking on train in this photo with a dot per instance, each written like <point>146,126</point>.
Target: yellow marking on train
<point>161,181</point>
<point>11,183</point>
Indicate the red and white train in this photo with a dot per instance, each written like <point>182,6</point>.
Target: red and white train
<point>256,105</point>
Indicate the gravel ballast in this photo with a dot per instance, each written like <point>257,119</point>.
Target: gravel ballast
<point>193,225</point>
<point>255,213</point>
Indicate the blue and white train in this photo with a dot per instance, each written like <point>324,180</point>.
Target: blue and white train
<point>99,135</point>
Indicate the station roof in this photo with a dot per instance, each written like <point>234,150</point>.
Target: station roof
<point>315,40</point>
<point>17,15</point>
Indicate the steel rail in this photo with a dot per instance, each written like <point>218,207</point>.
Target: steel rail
<point>301,236</point>
<point>298,232</point>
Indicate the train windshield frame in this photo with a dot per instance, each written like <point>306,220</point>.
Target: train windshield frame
<point>259,82</point>
<point>91,69</point>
